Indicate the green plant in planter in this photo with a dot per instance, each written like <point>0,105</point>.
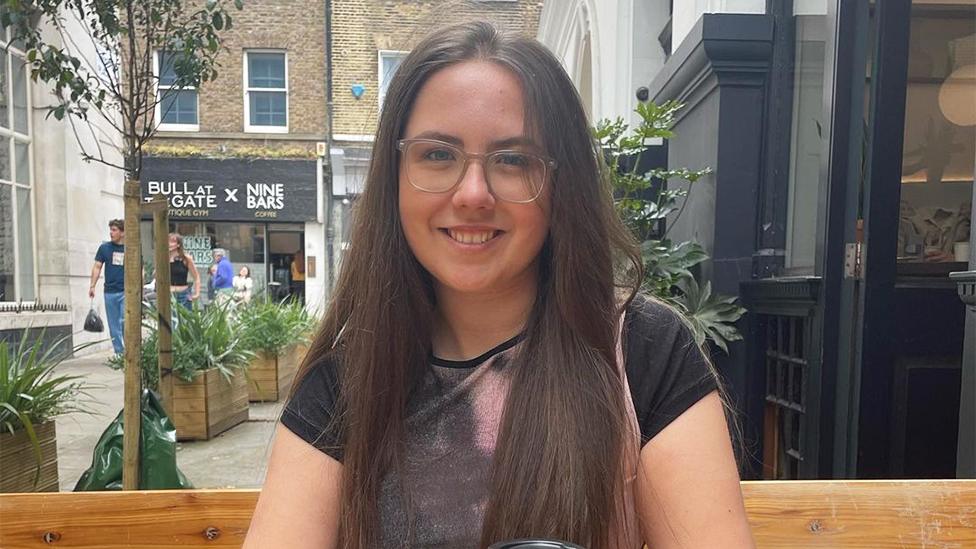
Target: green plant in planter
<point>271,327</point>
<point>202,339</point>
<point>31,392</point>
<point>650,209</point>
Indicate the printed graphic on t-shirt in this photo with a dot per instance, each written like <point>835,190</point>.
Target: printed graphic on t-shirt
<point>117,258</point>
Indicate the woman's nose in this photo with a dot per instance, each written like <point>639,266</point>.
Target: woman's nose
<point>473,190</point>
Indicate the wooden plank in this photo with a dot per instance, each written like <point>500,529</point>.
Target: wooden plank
<point>170,518</point>
<point>188,389</point>
<point>783,515</point>
<point>862,514</point>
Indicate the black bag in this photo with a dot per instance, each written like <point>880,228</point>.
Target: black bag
<point>93,323</point>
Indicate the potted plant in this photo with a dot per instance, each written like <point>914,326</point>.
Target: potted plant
<point>32,394</point>
<point>650,208</point>
<point>209,386</point>
<point>278,334</point>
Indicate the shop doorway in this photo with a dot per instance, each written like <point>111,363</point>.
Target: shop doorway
<point>286,263</point>
<point>909,219</point>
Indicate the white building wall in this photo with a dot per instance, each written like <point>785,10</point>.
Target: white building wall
<point>624,53</point>
<point>688,12</point>
<point>74,200</point>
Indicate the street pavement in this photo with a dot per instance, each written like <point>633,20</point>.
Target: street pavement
<point>235,459</point>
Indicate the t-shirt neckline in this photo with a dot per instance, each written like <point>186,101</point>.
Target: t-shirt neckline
<point>480,359</point>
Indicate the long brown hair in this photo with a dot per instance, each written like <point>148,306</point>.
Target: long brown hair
<point>558,465</point>
<point>179,246</point>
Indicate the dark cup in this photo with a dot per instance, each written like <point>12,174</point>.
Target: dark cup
<point>535,544</point>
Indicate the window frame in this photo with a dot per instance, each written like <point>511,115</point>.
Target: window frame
<point>248,127</point>
<point>14,136</point>
<point>380,54</point>
<point>158,112</point>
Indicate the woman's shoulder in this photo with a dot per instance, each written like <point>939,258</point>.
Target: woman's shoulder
<point>648,316</point>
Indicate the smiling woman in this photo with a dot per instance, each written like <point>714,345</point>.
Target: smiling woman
<point>479,377</point>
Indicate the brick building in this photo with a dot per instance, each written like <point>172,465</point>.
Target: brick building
<point>369,39</point>
<point>238,157</point>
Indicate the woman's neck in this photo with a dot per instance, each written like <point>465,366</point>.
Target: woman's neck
<point>467,325</point>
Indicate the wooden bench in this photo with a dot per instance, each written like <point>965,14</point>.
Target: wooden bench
<point>834,514</point>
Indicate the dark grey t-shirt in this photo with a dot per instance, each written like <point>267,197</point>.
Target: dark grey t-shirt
<point>454,417</point>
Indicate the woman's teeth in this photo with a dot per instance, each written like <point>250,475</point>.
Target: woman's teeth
<point>469,237</point>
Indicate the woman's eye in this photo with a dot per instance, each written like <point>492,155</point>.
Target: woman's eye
<point>439,155</point>
<point>514,160</point>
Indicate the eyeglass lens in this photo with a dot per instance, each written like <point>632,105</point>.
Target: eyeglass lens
<point>437,167</point>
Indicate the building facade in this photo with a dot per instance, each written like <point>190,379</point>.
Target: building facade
<point>49,230</point>
<point>841,135</point>
<point>369,39</point>
<point>242,159</point>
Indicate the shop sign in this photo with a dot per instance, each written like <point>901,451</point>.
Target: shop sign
<point>199,248</point>
<point>233,189</point>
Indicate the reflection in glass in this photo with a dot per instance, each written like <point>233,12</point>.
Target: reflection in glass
<point>6,245</point>
<point>4,94</point>
<point>940,138</point>
<point>5,171</point>
<point>22,165</point>
<point>806,139</point>
<point>18,79</point>
<point>25,259</point>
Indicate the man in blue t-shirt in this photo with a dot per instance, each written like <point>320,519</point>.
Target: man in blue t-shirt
<point>112,254</point>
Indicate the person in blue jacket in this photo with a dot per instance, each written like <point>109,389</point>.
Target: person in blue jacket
<point>223,279</point>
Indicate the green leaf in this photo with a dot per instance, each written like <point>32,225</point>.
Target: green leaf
<point>217,20</point>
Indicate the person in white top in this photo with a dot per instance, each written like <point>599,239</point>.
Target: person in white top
<point>243,286</point>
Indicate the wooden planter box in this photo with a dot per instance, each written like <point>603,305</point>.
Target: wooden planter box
<point>18,462</point>
<point>270,377</point>
<point>208,405</point>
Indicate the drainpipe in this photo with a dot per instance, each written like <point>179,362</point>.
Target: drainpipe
<point>329,221</point>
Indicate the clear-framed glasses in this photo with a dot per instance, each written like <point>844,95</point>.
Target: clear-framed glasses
<point>437,167</point>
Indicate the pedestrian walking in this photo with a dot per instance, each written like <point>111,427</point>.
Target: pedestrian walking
<point>111,255</point>
<point>487,369</point>
<point>223,280</point>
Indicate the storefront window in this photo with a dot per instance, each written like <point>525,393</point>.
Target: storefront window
<point>16,211</point>
<point>940,135</point>
<point>806,138</point>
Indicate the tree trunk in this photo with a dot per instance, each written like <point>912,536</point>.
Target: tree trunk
<point>132,336</point>
<point>164,306</point>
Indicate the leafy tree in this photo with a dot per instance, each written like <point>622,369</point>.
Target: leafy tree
<point>651,208</point>
<point>102,60</point>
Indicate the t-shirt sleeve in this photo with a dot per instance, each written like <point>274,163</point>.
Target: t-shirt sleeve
<point>310,411</point>
<point>100,254</point>
<point>666,369</point>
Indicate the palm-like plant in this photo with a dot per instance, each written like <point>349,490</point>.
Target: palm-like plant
<point>31,392</point>
<point>271,327</point>
<point>650,209</point>
<point>202,339</point>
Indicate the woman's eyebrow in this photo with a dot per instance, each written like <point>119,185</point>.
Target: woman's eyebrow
<point>516,140</point>
<point>438,136</point>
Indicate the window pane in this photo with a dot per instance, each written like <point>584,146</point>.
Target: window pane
<point>179,108</point>
<point>266,70</point>
<point>4,103</point>
<point>5,158</point>
<point>806,139</point>
<point>25,261</point>
<point>6,245</point>
<point>940,138</point>
<point>19,80</point>
<point>22,162</point>
<point>390,64</point>
<point>269,109</point>
<point>167,69</point>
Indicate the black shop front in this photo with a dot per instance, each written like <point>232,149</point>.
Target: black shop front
<point>258,210</point>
